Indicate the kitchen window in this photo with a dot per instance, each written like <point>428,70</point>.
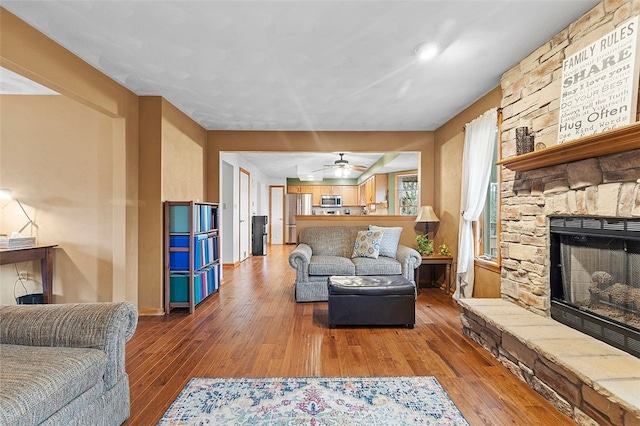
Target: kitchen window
<point>407,193</point>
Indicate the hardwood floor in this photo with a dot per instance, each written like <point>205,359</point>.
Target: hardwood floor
<point>253,328</point>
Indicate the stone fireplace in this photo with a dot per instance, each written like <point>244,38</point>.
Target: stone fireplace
<point>605,186</point>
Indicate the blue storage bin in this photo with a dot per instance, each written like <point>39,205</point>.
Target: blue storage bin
<point>179,260</point>
<point>179,241</point>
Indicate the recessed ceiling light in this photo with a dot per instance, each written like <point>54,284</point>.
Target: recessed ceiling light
<point>426,51</point>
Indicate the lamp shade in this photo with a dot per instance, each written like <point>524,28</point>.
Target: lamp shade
<point>426,214</point>
<point>6,194</point>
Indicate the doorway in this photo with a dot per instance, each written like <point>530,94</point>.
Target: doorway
<point>244,213</point>
<point>276,213</point>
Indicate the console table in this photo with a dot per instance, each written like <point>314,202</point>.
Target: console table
<point>43,253</point>
<point>437,259</point>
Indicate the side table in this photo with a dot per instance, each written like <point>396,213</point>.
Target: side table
<point>437,259</point>
<point>43,253</point>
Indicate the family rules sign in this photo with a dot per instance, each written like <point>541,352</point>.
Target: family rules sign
<point>600,84</point>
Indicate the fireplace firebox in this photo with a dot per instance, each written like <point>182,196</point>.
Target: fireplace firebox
<point>595,278</point>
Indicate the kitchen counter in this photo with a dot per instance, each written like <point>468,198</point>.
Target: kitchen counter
<point>409,232</point>
<point>391,217</point>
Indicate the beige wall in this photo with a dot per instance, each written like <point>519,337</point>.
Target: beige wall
<point>150,236</point>
<point>172,164</point>
<point>28,52</point>
<point>183,156</point>
<point>58,158</point>
<point>449,143</point>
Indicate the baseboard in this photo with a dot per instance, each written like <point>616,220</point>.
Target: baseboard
<point>230,265</point>
<point>149,312</point>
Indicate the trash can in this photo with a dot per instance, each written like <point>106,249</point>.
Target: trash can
<point>31,299</point>
<point>259,229</point>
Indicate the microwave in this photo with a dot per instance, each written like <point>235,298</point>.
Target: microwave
<point>331,201</point>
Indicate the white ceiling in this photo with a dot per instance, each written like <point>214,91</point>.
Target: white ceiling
<point>304,65</point>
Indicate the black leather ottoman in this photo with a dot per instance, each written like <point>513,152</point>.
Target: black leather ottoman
<point>371,300</point>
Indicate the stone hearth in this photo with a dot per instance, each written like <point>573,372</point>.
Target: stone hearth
<point>589,381</point>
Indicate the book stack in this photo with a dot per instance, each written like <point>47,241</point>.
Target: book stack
<point>17,242</point>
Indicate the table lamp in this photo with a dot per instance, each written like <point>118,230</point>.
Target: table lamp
<point>427,215</point>
<point>7,194</point>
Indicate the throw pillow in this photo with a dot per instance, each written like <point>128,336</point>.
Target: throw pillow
<point>367,244</point>
<point>390,240</point>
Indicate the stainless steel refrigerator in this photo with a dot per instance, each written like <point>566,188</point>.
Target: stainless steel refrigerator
<point>295,204</point>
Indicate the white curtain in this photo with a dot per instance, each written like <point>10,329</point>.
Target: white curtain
<point>477,159</point>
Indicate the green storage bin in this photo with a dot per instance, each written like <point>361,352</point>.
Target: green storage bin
<point>179,218</point>
<point>179,288</point>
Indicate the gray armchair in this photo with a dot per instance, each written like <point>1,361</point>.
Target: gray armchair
<point>65,364</point>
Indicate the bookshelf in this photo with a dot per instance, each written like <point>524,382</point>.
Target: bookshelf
<point>191,253</point>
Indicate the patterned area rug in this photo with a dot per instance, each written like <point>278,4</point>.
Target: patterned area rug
<point>313,401</point>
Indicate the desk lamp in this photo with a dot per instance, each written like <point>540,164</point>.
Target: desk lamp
<point>7,194</point>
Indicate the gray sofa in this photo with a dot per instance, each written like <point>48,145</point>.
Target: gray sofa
<point>326,251</point>
<point>65,364</point>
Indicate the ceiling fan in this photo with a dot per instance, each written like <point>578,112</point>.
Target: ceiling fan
<point>342,168</point>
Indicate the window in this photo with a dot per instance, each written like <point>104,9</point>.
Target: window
<point>407,193</point>
<point>486,228</point>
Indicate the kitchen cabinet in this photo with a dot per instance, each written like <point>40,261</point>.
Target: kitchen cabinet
<point>370,190</point>
<point>350,195</point>
<point>362,194</point>
<point>381,187</point>
<point>316,192</point>
<point>299,189</point>
<point>331,190</point>
<point>374,190</point>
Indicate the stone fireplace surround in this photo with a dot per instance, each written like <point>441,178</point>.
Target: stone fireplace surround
<point>588,380</point>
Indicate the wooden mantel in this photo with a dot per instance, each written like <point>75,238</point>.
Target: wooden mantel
<point>613,141</point>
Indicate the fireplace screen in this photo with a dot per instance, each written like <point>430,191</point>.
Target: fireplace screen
<point>602,275</point>
<point>595,278</point>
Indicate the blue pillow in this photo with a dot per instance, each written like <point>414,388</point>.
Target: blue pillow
<point>390,240</point>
